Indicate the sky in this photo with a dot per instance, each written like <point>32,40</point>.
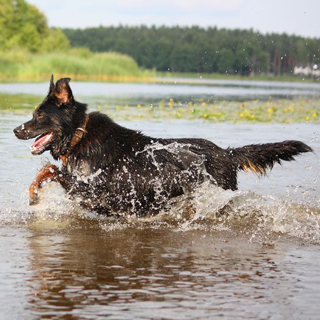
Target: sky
<point>299,17</point>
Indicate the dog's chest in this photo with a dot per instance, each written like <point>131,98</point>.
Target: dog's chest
<point>83,168</point>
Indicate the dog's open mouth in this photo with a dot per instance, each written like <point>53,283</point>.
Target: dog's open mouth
<point>41,143</point>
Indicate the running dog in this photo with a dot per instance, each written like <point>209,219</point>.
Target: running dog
<point>112,169</point>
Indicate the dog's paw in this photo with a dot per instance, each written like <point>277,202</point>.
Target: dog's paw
<point>34,193</point>
<point>33,196</point>
<point>33,201</point>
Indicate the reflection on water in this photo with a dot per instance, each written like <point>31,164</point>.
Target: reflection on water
<point>161,274</point>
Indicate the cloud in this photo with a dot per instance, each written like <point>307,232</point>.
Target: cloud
<point>183,4</point>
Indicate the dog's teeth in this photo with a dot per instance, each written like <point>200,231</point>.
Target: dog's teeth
<point>41,142</point>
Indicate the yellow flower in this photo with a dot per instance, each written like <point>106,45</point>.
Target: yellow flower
<point>314,115</point>
<point>285,110</point>
<point>205,116</point>
<point>307,118</point>
<point>241,115</point>
<point>35,107</point>
<point>139,106</point>
<point>203,104</point>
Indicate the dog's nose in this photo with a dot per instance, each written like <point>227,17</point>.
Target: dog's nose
<point>19,131</point>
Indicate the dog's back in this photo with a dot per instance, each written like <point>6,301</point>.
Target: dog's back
<point>139,173</point>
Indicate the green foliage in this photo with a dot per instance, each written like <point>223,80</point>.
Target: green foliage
<point>55,41</point>
<point>182,58</point>
<point>80,64</point>
<point>194,49</point>
<point>24,27</point>
<point>30,50</point>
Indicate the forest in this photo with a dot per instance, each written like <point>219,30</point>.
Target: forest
<point>29,49</point>
<point>205,50</point>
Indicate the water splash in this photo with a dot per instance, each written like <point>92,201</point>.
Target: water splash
<point>203,206</point>
<point>261,216</point>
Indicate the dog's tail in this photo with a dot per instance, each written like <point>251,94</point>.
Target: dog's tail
<point>261,157</point>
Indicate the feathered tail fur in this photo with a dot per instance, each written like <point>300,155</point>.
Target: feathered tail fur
<point>261,157</point>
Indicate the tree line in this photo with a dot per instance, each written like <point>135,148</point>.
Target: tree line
<point>205,50</point>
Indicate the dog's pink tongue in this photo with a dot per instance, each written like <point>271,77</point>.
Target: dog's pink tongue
<point>41,143</point>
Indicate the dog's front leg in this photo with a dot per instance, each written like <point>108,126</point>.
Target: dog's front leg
<point>49,172</point>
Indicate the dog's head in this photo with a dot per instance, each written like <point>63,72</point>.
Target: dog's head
<point>54,120</point>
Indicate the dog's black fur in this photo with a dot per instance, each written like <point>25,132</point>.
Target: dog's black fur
<point>115,169</point>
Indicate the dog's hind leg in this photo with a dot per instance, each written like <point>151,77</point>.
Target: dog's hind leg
<point>48,173</point>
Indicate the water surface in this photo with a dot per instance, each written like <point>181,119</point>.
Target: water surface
<point>184,90</point>
<point>260,260</point>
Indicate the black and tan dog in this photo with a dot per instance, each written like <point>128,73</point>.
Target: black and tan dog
<point>113,169</point>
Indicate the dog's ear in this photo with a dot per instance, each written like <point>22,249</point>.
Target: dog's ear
<point>51,87</point>
<point>62,91</point>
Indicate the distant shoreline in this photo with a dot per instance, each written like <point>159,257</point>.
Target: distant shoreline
<point>151,76</point>
<point>177,76</point>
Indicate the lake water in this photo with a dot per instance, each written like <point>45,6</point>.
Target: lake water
<point>258,261</point>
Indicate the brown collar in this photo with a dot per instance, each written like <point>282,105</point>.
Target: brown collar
<point>78,135</point>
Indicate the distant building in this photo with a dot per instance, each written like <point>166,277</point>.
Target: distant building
<point>307,71</point>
